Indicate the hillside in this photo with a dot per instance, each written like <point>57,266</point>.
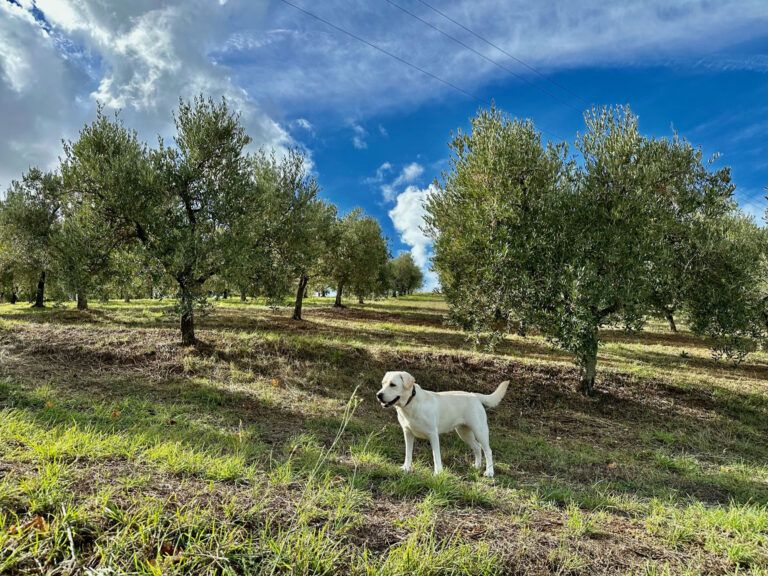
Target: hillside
<point>263,449</point>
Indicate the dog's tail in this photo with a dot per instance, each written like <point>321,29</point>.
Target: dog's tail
<point>493,400</point>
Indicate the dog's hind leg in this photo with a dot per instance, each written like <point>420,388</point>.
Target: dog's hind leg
<point>481,433</point>
<point>466,434</point>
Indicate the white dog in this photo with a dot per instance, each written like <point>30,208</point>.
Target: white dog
<point>424,414</point>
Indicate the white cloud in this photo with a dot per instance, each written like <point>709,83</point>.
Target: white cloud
<point>133,56</point>
<point>36,88</point>
<point>408,175</point>
<point>358,138</point>
<point>304,124</point>
<point>351,75</point>
<point>408,219</point>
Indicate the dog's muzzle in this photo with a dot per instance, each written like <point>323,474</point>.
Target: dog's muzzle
<point>380,396</point>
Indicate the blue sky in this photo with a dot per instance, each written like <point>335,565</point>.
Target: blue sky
<point>375,129</point>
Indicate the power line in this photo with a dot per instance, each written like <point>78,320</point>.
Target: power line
<point>380,49</point>
<point>399,59</point>
<point>506,53</point>
<point>483,56</point>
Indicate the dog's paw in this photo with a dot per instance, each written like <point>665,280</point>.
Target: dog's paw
<point>405,468</point>
<point>488,474</point>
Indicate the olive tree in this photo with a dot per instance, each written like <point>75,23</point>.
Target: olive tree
<point>521,231</point>
<point>487,222</point>
<point>29,221</point>
<point>727,292</point>
<point>310,239</point>
<point>83,248</point>
<point>359,256</point>
<point>404,276</point>
<point>189,203</point>
<point>286,236</point>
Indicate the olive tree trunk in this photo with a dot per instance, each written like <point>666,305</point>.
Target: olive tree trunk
<point>671,319</point>
<point>82,301</point>
<point>300,294</point>
<point>337,303</point>
<point>40,292</point>
<point>588,365</point>
<point>187,317</point>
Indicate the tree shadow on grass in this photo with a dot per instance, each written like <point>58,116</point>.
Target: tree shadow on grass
<point>720,369</point>
<point>202,386</point>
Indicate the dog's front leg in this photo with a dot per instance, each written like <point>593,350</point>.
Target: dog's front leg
<point>408,450</point>
<point>434,440</point>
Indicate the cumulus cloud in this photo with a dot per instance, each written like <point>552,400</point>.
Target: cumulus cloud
<point>409,174</point>
<point>138,56</point>
<point>36,85</point>
<point>408,219</point>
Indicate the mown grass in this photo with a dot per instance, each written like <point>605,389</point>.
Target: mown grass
<point>262,450</point>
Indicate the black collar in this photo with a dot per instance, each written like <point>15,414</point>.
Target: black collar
<point>411,398</point>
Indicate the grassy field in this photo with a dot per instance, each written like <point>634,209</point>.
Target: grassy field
<point>263,450</point>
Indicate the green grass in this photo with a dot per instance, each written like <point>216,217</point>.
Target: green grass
<point>263,450</point>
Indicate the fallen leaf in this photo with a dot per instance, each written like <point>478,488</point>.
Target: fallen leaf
<point>115,413</point>
<point>38,523</point>
<point>49,404</point>
<point>275,382</point>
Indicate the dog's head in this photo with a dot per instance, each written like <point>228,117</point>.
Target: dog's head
<point>396,389</point>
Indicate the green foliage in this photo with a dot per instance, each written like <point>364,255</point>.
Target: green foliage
<point>190,204</point>
<point>83,248</point>
<point>358,257</point>
<point>29,222</point>
<point>404,276</point>
<point>522,232</point>
<point>726,297</point>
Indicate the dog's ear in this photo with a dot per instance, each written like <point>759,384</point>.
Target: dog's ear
<point>408,381</point>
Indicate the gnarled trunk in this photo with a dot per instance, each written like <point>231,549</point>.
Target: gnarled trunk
<point>337,303</point>
<point>360,300</point>
<point>187,318</point>
<point>14,295</point>
<point>300,295</point>
<point>243,296</point>
<point>40,292</point>
<point>671,319</point>
<point>82,301</point>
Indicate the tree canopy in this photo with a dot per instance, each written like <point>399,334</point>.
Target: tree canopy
<point>524,233</point>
